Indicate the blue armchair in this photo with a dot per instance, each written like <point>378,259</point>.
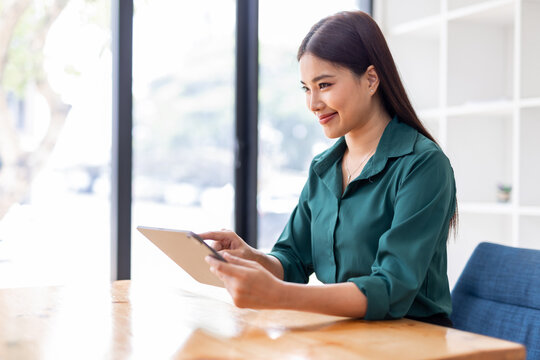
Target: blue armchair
<point>498,294</point>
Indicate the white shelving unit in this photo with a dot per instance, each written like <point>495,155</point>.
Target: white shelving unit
<point>472,71</point>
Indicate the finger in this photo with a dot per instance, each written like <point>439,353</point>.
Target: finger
<point>216,235</point>
<point>216,245</point>
<point>215,241</point>
<point>235,252</point>
<point>218,274</point>
<point>233,259</point>
<point>224,268</point>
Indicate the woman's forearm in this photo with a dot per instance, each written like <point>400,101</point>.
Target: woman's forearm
<point>271,264</point>
<point>343,299</point>
<point>256,283</point>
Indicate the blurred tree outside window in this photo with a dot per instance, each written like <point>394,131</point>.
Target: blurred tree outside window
<point>55,124</point>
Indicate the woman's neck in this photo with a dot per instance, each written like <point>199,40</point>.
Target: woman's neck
<point>365,139</point>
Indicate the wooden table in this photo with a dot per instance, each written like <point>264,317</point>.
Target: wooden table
<point>142,321</point>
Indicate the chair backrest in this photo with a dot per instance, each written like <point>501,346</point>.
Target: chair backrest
<point>498,294</point>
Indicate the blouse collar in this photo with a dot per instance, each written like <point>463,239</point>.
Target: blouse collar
<point>397,140</point>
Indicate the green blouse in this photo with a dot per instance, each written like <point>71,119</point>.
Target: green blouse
<point>386,233</point>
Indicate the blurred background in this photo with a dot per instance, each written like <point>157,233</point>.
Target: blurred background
<point>56,123</point>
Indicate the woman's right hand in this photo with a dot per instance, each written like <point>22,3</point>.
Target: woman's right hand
<point>228,241</point>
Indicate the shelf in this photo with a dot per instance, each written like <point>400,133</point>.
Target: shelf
<point>420,77</point>
<point>497,208</point>
<point>530,211</point>
<point>530,49</point>
<point>501,107</point>
<point>529,164</point>
<point>471,68</point>
<point>491,12</point>
<point>480,150</point>
<point>477,227</point>
<point>480,61</point>
<point>529,103</point>
<point>429,114</point>
<point>397,12</point>
<point>428,27</point>
<point>485,208</point>
<point>529,230</point>
<point>473,229</point>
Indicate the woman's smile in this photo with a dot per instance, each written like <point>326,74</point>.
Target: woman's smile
<point>325,118</point>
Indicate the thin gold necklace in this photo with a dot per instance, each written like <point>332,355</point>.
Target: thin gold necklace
<point>359,166</point>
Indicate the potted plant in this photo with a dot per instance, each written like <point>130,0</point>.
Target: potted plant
<point>503,192</point>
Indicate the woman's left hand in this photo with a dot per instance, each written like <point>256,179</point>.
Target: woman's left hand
<point>248,282</point>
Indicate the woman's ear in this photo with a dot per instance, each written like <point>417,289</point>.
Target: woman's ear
<point>373,78</point>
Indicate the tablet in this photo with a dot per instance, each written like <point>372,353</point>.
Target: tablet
<point>187,250</point>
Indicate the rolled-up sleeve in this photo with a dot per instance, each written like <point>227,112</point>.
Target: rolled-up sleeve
<point>293,248</point>
<point>424,204</point>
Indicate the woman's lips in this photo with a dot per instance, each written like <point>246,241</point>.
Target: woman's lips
<point>323,119</point>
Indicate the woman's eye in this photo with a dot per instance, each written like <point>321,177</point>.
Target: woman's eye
<point>324,85</point>
<point>304,88</point>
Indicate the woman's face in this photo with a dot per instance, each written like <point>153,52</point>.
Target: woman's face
<point>338,97</point>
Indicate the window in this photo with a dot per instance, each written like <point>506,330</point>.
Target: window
<point>55,121</point>
<point>183,135</point>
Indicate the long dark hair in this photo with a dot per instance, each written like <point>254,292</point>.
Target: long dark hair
<point>352,39</point>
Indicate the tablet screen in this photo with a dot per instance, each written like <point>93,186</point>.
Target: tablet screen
<point>187,250</point>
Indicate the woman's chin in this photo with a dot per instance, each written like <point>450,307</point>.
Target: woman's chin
<point>331,133</point>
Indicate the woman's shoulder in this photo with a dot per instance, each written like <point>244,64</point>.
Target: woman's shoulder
<point>426,152</point>
<point>426,147</point>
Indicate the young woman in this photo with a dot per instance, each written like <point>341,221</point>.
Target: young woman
<point>373,219</point>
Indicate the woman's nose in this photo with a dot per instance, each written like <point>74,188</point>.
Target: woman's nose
<point>314,103</point>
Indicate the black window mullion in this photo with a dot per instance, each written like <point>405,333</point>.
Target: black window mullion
<point>246,152</point>
<point>121,156</point>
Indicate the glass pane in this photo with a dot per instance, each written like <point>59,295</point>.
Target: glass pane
<point>289,135</point>
<point>183,88</point>
<point>55,121</point>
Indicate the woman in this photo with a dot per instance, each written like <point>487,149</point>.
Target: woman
<point>373,218</point>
